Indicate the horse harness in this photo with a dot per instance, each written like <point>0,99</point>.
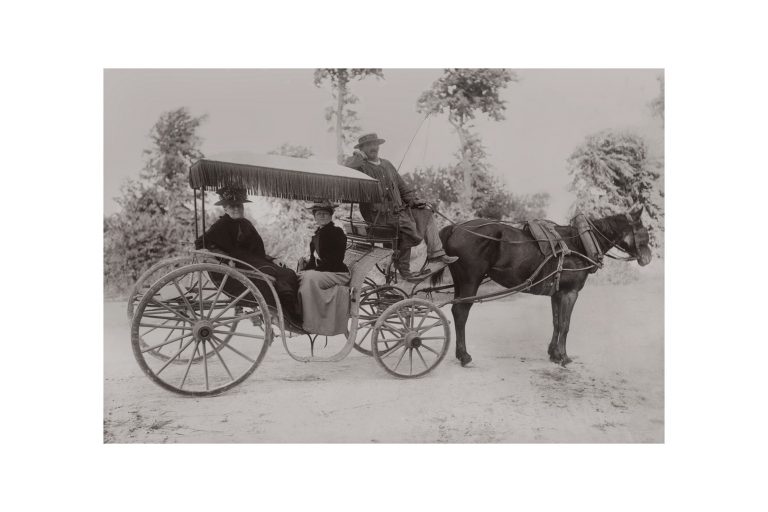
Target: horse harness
<point>552,244</point>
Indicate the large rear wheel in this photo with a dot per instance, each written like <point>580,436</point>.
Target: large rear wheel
<point>201,329</point>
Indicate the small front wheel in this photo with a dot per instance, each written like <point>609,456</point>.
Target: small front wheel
<point>411,338</point>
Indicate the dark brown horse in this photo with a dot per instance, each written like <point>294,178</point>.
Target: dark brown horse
<point>510,256</point>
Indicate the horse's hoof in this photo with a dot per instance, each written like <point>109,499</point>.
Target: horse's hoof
<point>465,359</point>
<point>565,360</point>
<point>555,359</point>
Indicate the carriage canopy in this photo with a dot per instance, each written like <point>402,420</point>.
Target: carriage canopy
<point>285,177</point>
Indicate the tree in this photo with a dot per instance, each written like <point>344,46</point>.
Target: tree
<point>438,186</point>
<point>155,219</point>
<point>342,117</point>
<point>176,146</point>
<point>285,225</point>
<point>463,94</point>
<point>611,173</point>
<point>657,105</point>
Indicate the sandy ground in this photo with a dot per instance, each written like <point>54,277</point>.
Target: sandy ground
<point>612,392</point>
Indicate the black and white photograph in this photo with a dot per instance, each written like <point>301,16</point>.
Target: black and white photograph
<point>387,256</point>
<point>371,255</point>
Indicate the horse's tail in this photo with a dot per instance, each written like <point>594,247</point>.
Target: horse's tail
<point>445,233</point>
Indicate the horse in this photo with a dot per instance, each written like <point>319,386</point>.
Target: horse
<point>510,257</point>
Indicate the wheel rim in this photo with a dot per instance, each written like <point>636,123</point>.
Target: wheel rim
<point>411,338</point>
<point>201,329</point>
<point>373,301</point>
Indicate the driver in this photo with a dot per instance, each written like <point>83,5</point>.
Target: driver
<point>402,207</point>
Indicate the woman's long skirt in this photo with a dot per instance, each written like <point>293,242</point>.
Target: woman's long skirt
<point>324,298</point>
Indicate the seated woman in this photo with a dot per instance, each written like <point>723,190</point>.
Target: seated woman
<point>323,293</point>
<point>236,236</point>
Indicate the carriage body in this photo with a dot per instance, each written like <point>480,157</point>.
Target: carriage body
<point>201,323</point>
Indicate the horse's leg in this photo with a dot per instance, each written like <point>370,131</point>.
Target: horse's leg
<point>556,300</point>
<point>465,287</point>
<point>566,308</point>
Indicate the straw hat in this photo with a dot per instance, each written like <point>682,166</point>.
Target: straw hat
<point>369,137</point>
<point>230,195</point>
<point>324,205</point>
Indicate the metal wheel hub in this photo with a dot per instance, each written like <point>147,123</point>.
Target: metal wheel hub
<point>203,330</point>
<point>412,339</point>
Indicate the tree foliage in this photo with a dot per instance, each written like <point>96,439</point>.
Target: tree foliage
<point>657,105</point>
<point>611,172</point>
<point>156,218</point>
<point>341,116</point>
<point>439,185</point>
<point>463,94</point>
<point>284,225</point>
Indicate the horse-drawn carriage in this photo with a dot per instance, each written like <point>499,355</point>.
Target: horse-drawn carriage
<point>200,324</point>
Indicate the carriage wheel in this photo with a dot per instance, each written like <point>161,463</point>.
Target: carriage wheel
<point>151,275</point>
<point>373,301</point>
<point>410,338</point>
<point>209,322</point>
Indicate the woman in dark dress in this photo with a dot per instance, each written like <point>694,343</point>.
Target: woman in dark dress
<point>323,290</point>
<point>236,236</point>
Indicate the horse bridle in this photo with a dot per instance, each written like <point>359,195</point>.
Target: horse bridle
<point>639,236</point>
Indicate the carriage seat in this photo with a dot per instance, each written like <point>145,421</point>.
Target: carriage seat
<point>365,233</point>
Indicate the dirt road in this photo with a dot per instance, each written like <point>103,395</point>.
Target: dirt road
<point>612,392</point>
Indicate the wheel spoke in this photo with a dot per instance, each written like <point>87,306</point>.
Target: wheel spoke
<point>216,351</point>
<point>391,350</point>
<point>218,292</point>
<point>410,360</point>
<point>205,365</point>
<point>432,326</point>
<point>189,364</point>
<point>164,306</point>
<point>155,347</point>
<point>162,326</point>
<point>418,352</point>
<point>234,302</point>
<point>174,356</point>
<point>431,337</point>
<point>234,333</point>
<point>400,360</point>
<point>389,340</point>
<point>200,290</point>
<point>431,349</point>
<point>184,297</point>
<point>226,345</point>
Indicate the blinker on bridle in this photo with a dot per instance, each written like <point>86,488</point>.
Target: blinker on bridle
<point>639,237</point>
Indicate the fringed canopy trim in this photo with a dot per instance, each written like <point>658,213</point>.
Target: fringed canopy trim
<point>286,177</point>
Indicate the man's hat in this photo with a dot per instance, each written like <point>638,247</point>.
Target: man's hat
<point>369,137</point>
<point>322,205</point>
<point>230,195</point>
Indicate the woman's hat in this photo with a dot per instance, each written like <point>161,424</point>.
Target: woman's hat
<point>323,205</point>
<point>369,137</point>
<point>229,196</point>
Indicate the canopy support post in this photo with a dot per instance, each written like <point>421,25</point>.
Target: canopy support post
<point>202,201</point>
<point>194,191</point>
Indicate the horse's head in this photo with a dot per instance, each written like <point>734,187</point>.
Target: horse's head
<point>634,240</point>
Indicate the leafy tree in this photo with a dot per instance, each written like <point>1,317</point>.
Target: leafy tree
<point>438,185</point>
<point>285,225</point>
<point>175,146</point>
<point>611,173</point>
<point>155,219</point>
<point>341,115</point>
<point>657,105</point>
<point>463,94</point>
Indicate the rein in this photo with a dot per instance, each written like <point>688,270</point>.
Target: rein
<point>612,244</point>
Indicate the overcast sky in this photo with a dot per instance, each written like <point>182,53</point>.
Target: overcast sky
<point>549,112</point>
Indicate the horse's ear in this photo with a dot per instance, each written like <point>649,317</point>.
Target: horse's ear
<point>636,211</point>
